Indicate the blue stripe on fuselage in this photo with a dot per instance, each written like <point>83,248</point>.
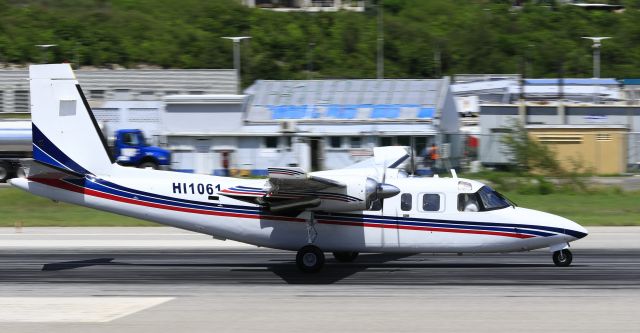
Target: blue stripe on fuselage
<point>115,189</point>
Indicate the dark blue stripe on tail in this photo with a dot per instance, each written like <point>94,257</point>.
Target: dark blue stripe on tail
<point>46,152</point>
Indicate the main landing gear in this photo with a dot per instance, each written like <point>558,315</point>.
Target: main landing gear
<point>310,259</point>
<point>562,258</point>
<point>345,256</point>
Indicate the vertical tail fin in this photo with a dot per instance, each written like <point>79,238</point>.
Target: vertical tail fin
<point>65,132</point>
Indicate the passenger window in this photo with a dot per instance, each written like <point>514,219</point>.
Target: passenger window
<point>405,201</point>
<point>431,202</point>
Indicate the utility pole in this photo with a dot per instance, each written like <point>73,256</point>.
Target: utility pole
<point>236,60</point>
<point>380,62</point>
<point>45,48</point>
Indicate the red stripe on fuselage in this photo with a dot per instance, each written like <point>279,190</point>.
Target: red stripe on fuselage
<point>420,228</point>
<point>83,190</point>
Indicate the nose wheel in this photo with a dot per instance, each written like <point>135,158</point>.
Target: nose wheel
<point>310,259</point>
<point>562,258</point>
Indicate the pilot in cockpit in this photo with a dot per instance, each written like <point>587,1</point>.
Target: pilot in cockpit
<point>467,202</point>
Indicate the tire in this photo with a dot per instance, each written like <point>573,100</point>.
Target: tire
<point>562,258</point>
<point>21,172</point>
<point>310,259</point>
<point>345,256</point>
<point>148,165</point>
<point>4,172</point>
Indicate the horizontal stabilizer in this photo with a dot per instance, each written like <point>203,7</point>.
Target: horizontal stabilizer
<point>36,169</point>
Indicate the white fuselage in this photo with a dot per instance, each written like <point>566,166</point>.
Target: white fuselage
<point>194,202</point>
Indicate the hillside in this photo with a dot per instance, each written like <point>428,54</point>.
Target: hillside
<point>468,37</point>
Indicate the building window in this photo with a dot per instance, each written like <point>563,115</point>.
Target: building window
<point>386,141</point>
<point>405,201</point>
<point>121,94</point>
<point>404,141</point>
<point>356,142</point>
<point>431,202</point>
<point>96,94</point>
<point>335,141</point>
<point>271,142</point>
<point>21,101</point>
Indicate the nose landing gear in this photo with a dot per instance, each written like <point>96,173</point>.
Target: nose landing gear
<point>562,258</point>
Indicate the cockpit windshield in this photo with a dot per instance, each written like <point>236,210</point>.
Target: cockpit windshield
<point>491,199</point>
<point>484,199</point>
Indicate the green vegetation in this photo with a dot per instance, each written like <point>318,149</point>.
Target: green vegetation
<point>477,36</point>
<point>528,155</point>
<point>598,207</point>
<point>605,207</point>
<point>17,206</point>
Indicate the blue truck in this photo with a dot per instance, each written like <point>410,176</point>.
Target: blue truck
<point>128,146</point>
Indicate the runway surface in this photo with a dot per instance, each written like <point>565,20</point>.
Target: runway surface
<point>231,287</point>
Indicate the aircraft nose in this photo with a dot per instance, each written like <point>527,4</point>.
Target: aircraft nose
<point>576,230</point>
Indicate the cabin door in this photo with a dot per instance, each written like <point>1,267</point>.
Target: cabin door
<point>390,216</point>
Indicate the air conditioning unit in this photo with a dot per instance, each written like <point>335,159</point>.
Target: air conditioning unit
<point>287,126</point>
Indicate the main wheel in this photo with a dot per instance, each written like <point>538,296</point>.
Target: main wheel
<point>4,171</point>
<point>310,259</point>
<point>148,165</point>
<point>345,256</point>
<point>562,258</point>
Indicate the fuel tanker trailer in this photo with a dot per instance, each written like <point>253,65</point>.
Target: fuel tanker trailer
<point>15,144</point>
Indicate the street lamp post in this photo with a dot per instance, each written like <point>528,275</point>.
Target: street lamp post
<point>596,54</point>
<point>44,48</point>
<point>380,44</point>
<point>236,59</point>
<point>597,43</point>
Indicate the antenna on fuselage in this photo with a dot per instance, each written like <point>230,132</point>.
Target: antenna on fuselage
<point>454,174</point>
<point>412,155</point>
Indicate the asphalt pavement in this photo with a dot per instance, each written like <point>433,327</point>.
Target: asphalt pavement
<point>162,279</point>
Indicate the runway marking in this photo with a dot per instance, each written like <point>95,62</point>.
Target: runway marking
<point>73,309</point>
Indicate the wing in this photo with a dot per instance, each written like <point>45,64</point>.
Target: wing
<point>295,179</point>
<point>288,189</point>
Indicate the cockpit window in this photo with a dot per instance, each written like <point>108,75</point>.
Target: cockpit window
<point>483,200</point>
<point>491,199</point>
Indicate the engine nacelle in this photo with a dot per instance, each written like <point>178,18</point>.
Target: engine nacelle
<point>361,193</point>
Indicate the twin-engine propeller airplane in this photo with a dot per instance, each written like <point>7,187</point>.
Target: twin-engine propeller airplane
<point>372,206</point>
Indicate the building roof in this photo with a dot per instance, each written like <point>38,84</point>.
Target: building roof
<point>570,81</point>
<point>211,81</point>
<point>345,99</point>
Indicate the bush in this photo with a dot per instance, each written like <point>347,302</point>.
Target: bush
<point>529,155</point>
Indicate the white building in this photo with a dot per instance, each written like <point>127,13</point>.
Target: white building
<point>314,124</point>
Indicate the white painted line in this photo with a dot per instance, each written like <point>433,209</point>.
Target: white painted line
<point>115,243</point>
<point>73,309</point>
